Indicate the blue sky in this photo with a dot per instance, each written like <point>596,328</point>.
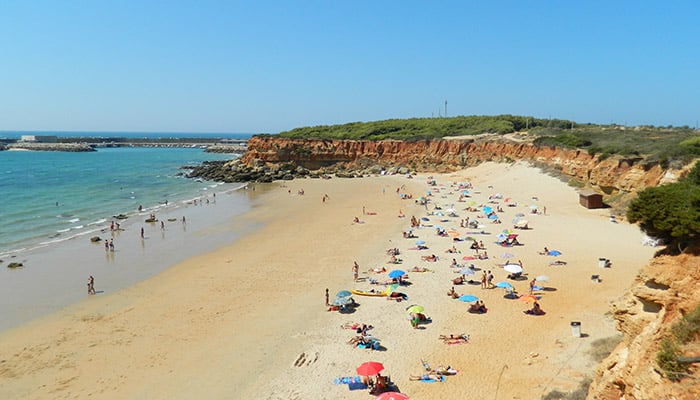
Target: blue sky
<point>270,66</point>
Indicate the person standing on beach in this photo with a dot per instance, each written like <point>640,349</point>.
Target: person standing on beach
<point>142,234</point>
<point>327,303</point>
<point>355,271</point>
<point>111,244</point>
<point>106,245</point>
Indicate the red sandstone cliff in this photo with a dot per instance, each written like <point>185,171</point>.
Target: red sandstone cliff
<point>666,289</point>
<point>612,175</point>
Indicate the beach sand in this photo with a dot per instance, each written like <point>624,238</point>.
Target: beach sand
<point>249,320</point>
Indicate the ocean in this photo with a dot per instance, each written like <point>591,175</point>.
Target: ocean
<point>54,196</point>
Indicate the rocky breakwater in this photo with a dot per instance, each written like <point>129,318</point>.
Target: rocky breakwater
<point>664,291</point>
<point>68,147</point>
<point>227,148</point>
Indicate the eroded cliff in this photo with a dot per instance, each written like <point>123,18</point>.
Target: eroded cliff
<point>664,291</point>
<point>613,175</point>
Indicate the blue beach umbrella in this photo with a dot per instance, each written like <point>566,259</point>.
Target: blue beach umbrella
<point>504,285</point>
<point>397,273</point>
<point>487,210</point>
<point>343,293</point>
<point>554,253</point>
<point>468,298</point>
<point>420,242</point>
<point>493,216</point>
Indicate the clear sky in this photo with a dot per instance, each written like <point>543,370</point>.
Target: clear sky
<point>269,66</point>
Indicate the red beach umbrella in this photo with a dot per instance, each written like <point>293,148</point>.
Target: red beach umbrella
<point>392,396</point>
<point>370,368</point>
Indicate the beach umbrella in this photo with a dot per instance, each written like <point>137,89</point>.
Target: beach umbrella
<point>501,238</point>
<point>513,268</point>
<point>554,253</point>
<point>420,242</point>
<point>342,301</point>
<point>392,396</point>
<point>487,210</point>
<point>467,271</point>
<point>370,368</point>
<point>504,285</point>
<point>520,223</point>
<point>507,255</point>
<point>397,273</point>
<point>465,192</point>
<point>493,216</point>
<point>542,278</point>
<point>343,293</point>
<point>468,298</point>
<point>415,309</point>
<point>528,298</point>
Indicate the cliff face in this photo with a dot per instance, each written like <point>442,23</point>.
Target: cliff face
<point>666,289</point>
<point>611,175</point>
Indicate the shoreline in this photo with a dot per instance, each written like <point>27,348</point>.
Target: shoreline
<point>249,317</point>
<point>57,269</point>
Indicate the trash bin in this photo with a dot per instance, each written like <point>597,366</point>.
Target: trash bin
<point>602,262</point>
<point>576,329</point>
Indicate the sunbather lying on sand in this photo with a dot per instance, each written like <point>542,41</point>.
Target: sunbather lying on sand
<point>558,262</point>
<point>426,377</point>
<point>377,270</point>
<point>458,337</point>
<point>430,258</point>
<point>421,269</point>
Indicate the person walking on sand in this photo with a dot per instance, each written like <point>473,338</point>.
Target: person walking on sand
<point>111,244</point>
<point>327,303</point>
<point>355,271</point>
<point>142,234</point>
<point>91,285</point>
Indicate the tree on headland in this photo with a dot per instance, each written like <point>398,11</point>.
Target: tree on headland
<point>670,212</point>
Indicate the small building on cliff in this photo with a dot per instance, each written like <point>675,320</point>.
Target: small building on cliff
<point>590,199</point>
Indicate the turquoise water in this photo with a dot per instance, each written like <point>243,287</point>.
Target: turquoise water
<point>49,197</point>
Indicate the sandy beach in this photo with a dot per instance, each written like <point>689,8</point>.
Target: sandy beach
<point>249,320</point>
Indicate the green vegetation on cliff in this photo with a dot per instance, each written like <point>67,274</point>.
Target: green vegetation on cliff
<point>670,212</point>
<point>423,128</point>
<point>668,146</point>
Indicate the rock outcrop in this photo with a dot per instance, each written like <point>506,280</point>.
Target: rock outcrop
<point>664,291</point>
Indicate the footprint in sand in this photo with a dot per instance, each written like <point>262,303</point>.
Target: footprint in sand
<point>305,360</point>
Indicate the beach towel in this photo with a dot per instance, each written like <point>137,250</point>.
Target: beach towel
<point>442,378</point>
<point>346,380</point>
<point>357,386</point>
